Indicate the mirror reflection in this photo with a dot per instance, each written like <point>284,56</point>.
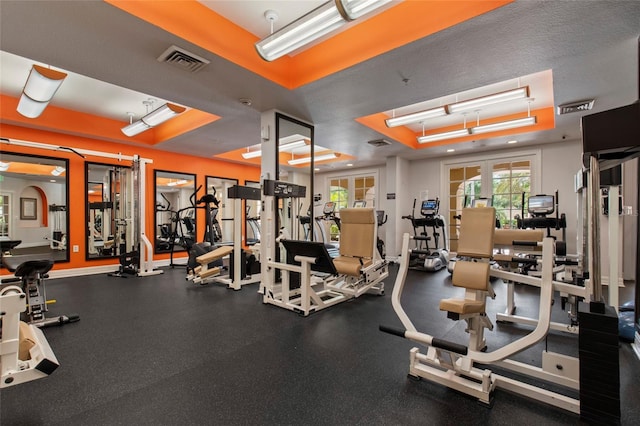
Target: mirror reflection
<point>296,137</point>
<point>175,207</point>
<point>221,215</point>
<point>252,217</point>
<point>33,205</point>
<point>109,191</point>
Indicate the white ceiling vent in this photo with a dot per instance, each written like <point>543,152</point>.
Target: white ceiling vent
<point>379,142</point>
<point>575,106</point>
<point>182,59</point>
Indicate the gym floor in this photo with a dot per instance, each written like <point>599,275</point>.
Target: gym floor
<point>161,351</point>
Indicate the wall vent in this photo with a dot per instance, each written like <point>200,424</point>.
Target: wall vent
<point>379,142</point>
<point>575,107</point>
<point>182,59</point>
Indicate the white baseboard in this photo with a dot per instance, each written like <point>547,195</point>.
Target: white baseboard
<point>605,281</point>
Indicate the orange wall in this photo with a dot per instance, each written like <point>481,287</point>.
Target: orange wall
<point>201,167</point>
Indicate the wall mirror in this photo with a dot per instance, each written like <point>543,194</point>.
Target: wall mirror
<point>222,215</point>
<point>109,213</point>
<point>175,213</point>
<point>252,217</point>
<point>33,205</point>
<point>295,137</point>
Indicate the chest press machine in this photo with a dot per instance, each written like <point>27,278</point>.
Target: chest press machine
<point>357,270</point>
<point>458,366</point>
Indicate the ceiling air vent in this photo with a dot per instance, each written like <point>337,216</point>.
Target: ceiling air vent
<point>379,142</point>
<point>575,107</point>
<point>182,59</point>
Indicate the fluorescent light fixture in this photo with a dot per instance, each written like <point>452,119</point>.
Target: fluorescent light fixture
<point>415,117</point>
<point>287,147</point>
<point>135,128</point>
<point>303,30</point>
<point>178,182</point>
<point>315,24</point>
<point>40,87</point>
<point>451,150</point>
<point>154,118</point>
<point>252,154</point>
<point>162,114</point>
<point>58,171</point>
<point>354,9</point>
<point>444,135</point>
<point>504,125</point>
<point>324,157</point>
<point>512,142</point>
<point>474,104</point>
<point>4,166</point>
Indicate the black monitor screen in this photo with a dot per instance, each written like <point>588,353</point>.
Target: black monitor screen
<point>359,204</point>
<point>429,207</point>
<point>541,204</point>
<point>329,207</point>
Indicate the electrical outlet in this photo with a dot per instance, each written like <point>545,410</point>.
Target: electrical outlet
<point>76,249</point>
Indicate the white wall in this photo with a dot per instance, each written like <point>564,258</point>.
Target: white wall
<point>31,232</point>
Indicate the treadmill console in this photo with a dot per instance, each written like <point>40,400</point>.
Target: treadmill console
<point>541,205</point>
<point>329,207</point>
<point>429,208</point>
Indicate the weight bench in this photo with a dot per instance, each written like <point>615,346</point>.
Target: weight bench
<point>203,270</point>
<point>476,244</point>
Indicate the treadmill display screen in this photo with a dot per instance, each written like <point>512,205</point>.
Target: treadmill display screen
<point>541,204</point>
<point>429,207</point>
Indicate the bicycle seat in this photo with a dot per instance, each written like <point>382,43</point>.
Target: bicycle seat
<point>27,265</point>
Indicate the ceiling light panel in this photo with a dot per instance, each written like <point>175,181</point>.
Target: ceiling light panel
<point>416,117</point>
<point>444,136</point>
<point>484,101</point>
<point>504,125</point>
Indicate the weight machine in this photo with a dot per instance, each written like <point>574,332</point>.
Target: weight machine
<point>25,354</point>
<point>244,265</point>
<point>465,367</point>
<point>311,280</point>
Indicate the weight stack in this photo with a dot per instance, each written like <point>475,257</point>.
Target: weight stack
<point>599,364</point>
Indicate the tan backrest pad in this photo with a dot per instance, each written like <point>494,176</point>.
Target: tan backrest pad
<point>506,237</point>
<point>472,275</point>
<point>476,232</point>
<point>357,232</point>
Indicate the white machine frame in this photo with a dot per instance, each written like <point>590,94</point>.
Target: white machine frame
<point>320,291</point>
<point>202,277</point>
<point>454,365</point>
<point>42,360</point>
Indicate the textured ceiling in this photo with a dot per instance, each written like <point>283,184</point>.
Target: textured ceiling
<point>591,48</point>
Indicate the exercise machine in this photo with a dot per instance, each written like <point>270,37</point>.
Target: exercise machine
<point>327,219</point>
<point>381,219</point>
<point>25,354</point>
<point>31,272</point>
<point>466,368</point>
<point>308,279</point>
<point>243,264</point>
<point>430,226</point>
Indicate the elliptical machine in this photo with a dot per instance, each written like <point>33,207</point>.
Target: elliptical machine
<point>423,257</point>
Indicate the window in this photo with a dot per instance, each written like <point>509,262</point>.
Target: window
<point>511,183</point>
<point>339,192</point>
<point>505,180</point>
<point>345,190</point>
<point>4,215</point>
<point>465,184</point>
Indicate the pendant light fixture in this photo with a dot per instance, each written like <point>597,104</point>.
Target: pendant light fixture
<point>42,83</point>
<point>152,119</point>
<point>311,26</point>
